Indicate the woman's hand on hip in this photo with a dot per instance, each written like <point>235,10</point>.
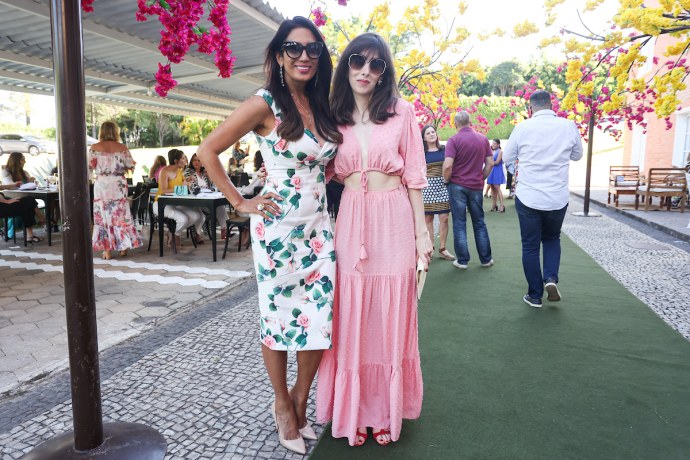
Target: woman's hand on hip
<point>263,205</point>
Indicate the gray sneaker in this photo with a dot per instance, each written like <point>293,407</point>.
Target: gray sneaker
<point>457,264</point>
<point>552,292</point>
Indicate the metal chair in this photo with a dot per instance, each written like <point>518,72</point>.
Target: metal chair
<point>242,224</point>
<point>155,221</point>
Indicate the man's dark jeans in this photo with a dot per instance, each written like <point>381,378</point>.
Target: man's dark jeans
<point>461,199</point>
<point>540,228</point>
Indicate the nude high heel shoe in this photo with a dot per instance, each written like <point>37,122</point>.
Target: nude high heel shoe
<point>308,432</point>
<point>295,445</point>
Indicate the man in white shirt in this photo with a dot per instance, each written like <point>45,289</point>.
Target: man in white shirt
<point>543,146</point>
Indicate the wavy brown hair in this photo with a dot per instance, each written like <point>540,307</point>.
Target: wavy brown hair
<point>318,88</point>
<point>14,167</point>
<point>382,103</point>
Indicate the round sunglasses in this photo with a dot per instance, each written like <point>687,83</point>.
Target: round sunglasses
<point>294,49</point>
<point>376,66</point>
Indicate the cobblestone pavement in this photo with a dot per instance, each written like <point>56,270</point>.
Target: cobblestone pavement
<point>206,391</point>
<point>652,266</point>
<point>673,222</point>
<point>132,294</point>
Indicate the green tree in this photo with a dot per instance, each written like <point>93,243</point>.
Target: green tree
<point>473,86</point>
<point>194,130</point>
<point>96,114</point>
<point>549,76</point>
<point>506,77</point>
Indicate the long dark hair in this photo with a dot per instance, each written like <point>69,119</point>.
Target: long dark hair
<point>318,88</point>
<point>190,166</point>
<point>385,94</point>
<point>426,145</point>
<point>14,167</point>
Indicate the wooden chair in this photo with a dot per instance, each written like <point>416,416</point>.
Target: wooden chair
<point>664,183</point>
<point>242,224</point>
<point>623,180</point>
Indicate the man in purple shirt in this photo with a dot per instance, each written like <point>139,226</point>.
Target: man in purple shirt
<point>468,162</point>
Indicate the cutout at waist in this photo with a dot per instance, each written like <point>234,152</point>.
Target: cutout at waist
<point>374,181</point>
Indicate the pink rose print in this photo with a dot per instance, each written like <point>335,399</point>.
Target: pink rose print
<point>291,267</point>
<point>281,145</point>
<point>326,331</point>
<point>271,264</point>
<point>260,230</point>
<point>303,320</point>
<point>305,299</point>
<point>296,181</point>
<point>269,341</point>
<point>313,277</point>
<point>278,121</point>
<point>282,324</point>
<point>316,244</point>
<point>309,159</point>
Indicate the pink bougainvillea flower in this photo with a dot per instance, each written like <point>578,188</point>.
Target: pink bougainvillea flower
<point>87,5</point>
<point>164,80</point>
<point>320,18</point>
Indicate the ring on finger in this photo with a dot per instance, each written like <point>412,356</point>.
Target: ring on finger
<point>260,206</point>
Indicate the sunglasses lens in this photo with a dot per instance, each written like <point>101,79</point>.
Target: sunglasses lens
<point>293,49</point>
<point>377,66</point>
<point>357,61</point>
<point>314,49</point>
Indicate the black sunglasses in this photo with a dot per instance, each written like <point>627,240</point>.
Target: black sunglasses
<point>294,49</point>
<point>376,66</point>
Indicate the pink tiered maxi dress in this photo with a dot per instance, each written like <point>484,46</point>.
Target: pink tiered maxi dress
<point>372,375</point>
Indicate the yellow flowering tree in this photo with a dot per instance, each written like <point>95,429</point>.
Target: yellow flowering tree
<point>429,57</point>
<point>639,82</point>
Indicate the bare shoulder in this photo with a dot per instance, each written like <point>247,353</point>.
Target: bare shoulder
<point>109,147</point>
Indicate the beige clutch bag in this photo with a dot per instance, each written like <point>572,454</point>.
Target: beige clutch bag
<point>421,278</point>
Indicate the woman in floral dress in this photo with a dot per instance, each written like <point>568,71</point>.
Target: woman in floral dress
<point>292,242</point>
<point>113,227</point>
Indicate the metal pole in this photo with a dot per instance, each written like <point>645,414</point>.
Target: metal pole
<point>91,439</point>
<point>590,141</point>
<point>80,300</point>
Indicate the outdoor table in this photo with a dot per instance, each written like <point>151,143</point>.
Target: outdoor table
<point>209,201</point>
<point>48,195</point>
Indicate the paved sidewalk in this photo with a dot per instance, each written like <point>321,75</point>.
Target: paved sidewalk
<point>673,222</point>
<point>132,294</point>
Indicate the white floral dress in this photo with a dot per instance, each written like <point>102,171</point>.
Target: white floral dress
<point>294,254</point>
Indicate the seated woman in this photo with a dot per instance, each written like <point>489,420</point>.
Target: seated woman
<point>20,207</point>
<point>197,178</point>
<point>155,171</point>
<point>14,172</point>
<point>184,216</point>
<point>253,189</point>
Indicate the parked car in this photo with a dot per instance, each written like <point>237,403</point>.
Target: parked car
<point>25,144</point>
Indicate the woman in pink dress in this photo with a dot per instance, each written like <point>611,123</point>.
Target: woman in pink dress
<point>372,377</point>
